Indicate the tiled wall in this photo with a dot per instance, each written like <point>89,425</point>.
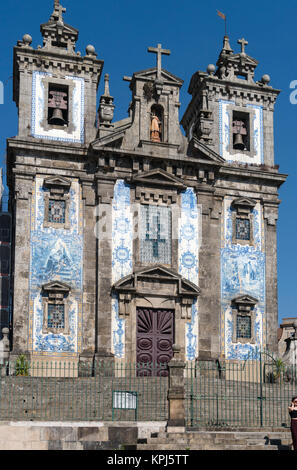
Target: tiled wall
<point>189,243</point>
<point>56,255</point>
<point>39,101</point>
<point>242,272</point>
<point>257,135</point>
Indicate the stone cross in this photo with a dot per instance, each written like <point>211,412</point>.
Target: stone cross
<point>159,51</point>
<point>58,9</point>
<point>243,43</point>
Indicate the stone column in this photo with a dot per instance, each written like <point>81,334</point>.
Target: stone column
<point>176,393</point>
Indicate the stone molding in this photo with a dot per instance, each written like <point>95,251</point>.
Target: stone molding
<point>170,285</point>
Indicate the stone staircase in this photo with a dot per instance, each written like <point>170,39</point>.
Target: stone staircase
<point>218,440</point>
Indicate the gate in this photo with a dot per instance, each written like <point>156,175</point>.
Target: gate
<point>252,394</point>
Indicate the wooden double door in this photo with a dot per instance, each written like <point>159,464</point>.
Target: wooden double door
<point>155,339</point>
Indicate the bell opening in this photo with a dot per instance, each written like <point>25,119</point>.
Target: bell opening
<point>58,105</point>
<point>240,131</point>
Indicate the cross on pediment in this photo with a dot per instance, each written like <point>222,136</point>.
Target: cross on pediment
<point>243,43</point>
<point>58,10</point>
<point>159,51</point>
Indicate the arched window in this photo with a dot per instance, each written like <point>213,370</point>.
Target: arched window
<point>156,125</point>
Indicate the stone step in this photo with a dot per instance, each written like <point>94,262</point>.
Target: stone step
<point>219,440</point>
<point>217,447</point>
<point>173,446</point>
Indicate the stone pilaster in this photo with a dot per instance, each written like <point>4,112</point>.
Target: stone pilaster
<point>209,273</point>
<point>104,270</point>
<point>90,267</point>
<point>271,317</point>
<point>21,238</point>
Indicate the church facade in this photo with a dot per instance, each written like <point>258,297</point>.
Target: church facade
<point>131,236</point>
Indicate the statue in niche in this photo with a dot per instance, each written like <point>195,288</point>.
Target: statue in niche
<point>155,128</point>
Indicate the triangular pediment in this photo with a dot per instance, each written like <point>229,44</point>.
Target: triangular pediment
<point>57,181</point>
<point>245,300</point>
<point>159,177</point>
<point>53,26</point>
<point>151,74</point>
<point>56,286</point>
<point>246,59</point>
<point>160,274</point>
<point>201,152</point>
<point>244,201</point>
<point>157,271</point>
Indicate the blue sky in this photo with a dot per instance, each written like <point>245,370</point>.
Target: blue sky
<point>122,30</point>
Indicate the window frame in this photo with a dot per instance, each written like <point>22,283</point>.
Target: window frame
<point>57,190</point>
<point>142,231</point>
<point>242,208</point>
<point>55,293</point>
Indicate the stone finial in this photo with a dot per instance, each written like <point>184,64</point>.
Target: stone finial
<point>106,107</point>
<point>211,69</point>
<point>265,79</point>
<point>90,50</point>
<point>106,86</point>
<point>226,46</point>
<point>27,39</point>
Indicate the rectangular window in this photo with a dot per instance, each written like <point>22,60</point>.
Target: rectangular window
<point>56,211</point>
<point>243,229</point>
<point>56,316</point>
<point>243,327</point>
<point>155,234</point>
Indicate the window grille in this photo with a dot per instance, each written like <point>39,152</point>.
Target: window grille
<point>243,229</point>
<point>155,234</point>
<point>244,327</point>
<point>56,211</point>
<point>56,316</point>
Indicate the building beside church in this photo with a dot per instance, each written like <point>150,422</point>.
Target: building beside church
<point>132,236</point>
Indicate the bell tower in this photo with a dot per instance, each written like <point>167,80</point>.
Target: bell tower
<point>154,109</point>
<point>230,110</point>
<point>55,89</point>
<point>54,86</point>
<point>231,113</point>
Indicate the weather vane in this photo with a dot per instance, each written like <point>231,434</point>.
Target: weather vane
<point>222,15</point>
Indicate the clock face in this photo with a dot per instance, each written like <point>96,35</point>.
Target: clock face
<point>73,128</point>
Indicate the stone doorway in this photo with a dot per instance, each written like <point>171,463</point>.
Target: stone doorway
<point>154,341</point>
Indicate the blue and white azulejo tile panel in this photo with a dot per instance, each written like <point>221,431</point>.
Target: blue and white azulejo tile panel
<point>256,130</point>
<point>189,242</point>
<point>122,256</point>
<point>56,255</point>
<point>39,106</point>
<point>242,272</point>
